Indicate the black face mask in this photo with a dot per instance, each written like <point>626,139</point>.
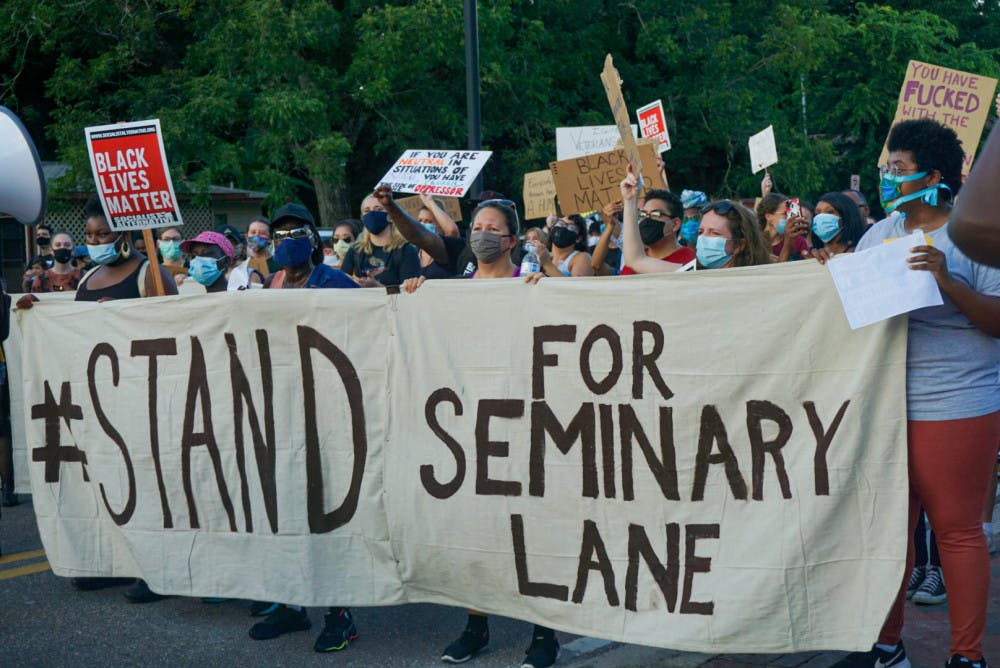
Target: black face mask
<point>43,241</point>
<point>563,237</point>
<point>650,231</point>
<point>63,255</point>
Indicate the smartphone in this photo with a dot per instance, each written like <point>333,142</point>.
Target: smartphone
<point>792,208</point>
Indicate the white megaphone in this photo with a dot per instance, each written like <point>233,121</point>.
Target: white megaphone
<point>22,183</point>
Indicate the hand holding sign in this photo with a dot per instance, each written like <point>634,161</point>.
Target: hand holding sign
<point>629,185</point>
<point>613,87</point>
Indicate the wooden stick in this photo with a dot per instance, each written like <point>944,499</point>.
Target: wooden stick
<point>154,264</point>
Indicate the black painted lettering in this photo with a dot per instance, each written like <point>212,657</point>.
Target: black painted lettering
<point>437,489</point>
<point>594,557</point>
<point>485,448</point>
<point>664,467</point>
<point>540,360</point>
<point>617,364</point>
<point>524,584</point>
<point>714,431</point>
<point>153,348</point>
<point>824,437</point>
<point>694,564</point>
<point>99,351</point>
<point>665,574</point>
<point>757,412</point>
<point>581,427</point>
<point>608,449</point>
<point>643,360</point>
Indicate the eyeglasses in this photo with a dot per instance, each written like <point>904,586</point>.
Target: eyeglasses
<point>722,207</point>
<point>297,233</point>
<point>895,170</point>
<point>655,214</point>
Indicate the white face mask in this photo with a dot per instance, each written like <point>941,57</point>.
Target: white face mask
<point>331,260</point>
<point>592,241</point>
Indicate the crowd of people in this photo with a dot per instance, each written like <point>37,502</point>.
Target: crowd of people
<point>953,395</point>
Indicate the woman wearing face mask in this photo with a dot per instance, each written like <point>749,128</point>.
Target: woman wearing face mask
<point>692,201</point>
<point>297,250</point>
<point>568,256</point>
<point>259,263</point>
<point>785,236</point>
<point>837,226</point>
<point>344,235</point>
<point>211,254</point>
<point>381,256</point>
<point>169,245</point>
<point>952,389</point>
<point>63,276</point>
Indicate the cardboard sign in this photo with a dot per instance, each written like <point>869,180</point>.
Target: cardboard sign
<point>613,87</point>
<point>412,206</point>
<point>448,173</point>
<point>653,124</point>
<point>587,140</point>
<point>763,151</point>
<point>539,191</point>
<point>589,182</point>
<point>959,100</point>
<point>132,177</point>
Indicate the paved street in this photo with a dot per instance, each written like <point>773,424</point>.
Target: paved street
<point>44,622</point>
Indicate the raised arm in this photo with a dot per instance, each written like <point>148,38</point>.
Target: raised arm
<point>635,254</point>
<point>597,260</point>
<point>975,220</point>
<point>411,230</point>
<point>448,225</point>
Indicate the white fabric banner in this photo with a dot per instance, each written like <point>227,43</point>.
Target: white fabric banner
<point>664,460</point>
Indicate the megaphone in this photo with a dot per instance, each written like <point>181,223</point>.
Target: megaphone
<point>22,183</point>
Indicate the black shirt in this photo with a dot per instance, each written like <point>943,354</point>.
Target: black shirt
<point>453,248</point>
<point>388,268</point>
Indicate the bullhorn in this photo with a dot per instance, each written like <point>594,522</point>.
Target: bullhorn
<point>22,183</point>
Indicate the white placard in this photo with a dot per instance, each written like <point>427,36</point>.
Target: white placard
<point>763,150</point>
<point>446,173</point>
<point>587,140</point>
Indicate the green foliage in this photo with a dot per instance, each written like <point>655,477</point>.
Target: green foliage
<point>314,99</point>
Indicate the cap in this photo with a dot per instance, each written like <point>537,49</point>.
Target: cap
<point>693,198</point>
<point>231,233</point>
<point>214,238</point>
<point>292,210</point>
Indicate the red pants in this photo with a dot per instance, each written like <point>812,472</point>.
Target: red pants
<point>951,462</point>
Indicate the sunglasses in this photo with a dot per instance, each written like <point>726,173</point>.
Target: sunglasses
<point>722,207</point>
<point>297,233</point>
<point>504,202</point>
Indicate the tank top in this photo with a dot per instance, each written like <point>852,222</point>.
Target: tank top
<point>563,266</point>
<point>127,288</point>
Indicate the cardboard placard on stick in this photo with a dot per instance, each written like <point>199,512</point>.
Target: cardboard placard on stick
<point>763,150</point>
<point>613,87</point>
<point>412,206</point>
<point>539,191</point>
<point>653,124</point>
<point>588,183</point>
<point>959,100</point>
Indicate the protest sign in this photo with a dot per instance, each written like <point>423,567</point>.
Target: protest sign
<point>448,173</point>
<point>763,151</point>
<point>588,183</point>
<point>412,206</point>
<point>539,194</point>
<point>587,140</point>
<point>350,447</point>
<point>959,100</point>
<point>653,124</point>
<point>131,174</point>
<point>613,87</point>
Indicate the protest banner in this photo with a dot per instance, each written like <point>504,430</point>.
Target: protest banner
<point>412,206</point>
<point>653,124</point>
<point>959,100</point>
<point>352,447</point>
<point>763,150</point>
<point>577,142</point>
<point>131,174</point>
<point>539,194</point>
<point>613,87</point>
<point>589,182</point>
<point>447,173</point>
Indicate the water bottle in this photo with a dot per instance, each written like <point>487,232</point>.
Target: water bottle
<point>530,263</point>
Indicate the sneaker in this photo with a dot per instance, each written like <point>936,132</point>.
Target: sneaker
<point>338,631</point>
<point>262,608</point>
<point>93,584</point>
<point>468,645</point>
<point>932,591</point>
<point>917,576</point>
<point>959,661</point>
<point>281,621</point>
<point>876,658</point>
<point>542,652</point>
<point>141,593</point>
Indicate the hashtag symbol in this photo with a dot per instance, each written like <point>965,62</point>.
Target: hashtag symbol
<point>52,411</point>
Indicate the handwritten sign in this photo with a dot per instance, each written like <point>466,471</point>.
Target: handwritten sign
<point>132,177</point>
<point>653,124</point>
<point>539,194</point>
<point>575,142</point>
<point>448,173</point>
<point>763,151</point>
<point>588,183</point>
<point>613,87</point>
<point>413,205</point>
<point>959,100</point>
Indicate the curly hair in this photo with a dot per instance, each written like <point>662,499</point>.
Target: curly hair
<point>934,146</point>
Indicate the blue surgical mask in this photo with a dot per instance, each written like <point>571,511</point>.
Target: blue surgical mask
<point>711,252</point>
<point>103,253</point>
<point>780,227</point>
<point>293,252</point>
<point>205,270</point>
<point>430,227</point>
<point>375,221</point>
<point>689,231</point>
<point>826,226</point>
<point>170,250</point>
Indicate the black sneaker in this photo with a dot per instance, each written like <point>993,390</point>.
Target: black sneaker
<point>93,584</point>
<point>262,608</point>
<point>468,645</point>
<point>141,593</point>
<point>931,591</point>
<point>917,576</point>
<point>338,631</point>
<point>281,621</point>
<point>959,661</point>
<point>875,658</point>
<point>542,652</point>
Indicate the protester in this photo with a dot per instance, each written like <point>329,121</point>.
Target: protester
<point>211,254</point>
<point>139,243</point>
<point>344,235</point>
<point>861,201</point>
<point>236,239</point>
<point>260,263</point>
<point>568,256</point>
<point>837,226</point>
<point>62,276</point>
<point>435,219</point>
<point>381,256</point>
<point>297,250</point>
<point>976,230</point>
<point>81,259</point>
<point>169,245</point>
<point>692,201</point>
<point>443,252</point>
<point>40,262</point>
<point>606,257</point>
<point>659,222</point>
<point>785,235</point>
<point>952,393</point>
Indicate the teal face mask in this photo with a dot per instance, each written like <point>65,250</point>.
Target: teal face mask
<point>689,231</point>
<point>780,227</point>
<point>170,250</point>
<point>711,252</point>
<point>205,270</point>
<point>891,196</point>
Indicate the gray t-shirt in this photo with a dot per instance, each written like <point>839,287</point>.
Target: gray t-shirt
<point>952,367</point>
